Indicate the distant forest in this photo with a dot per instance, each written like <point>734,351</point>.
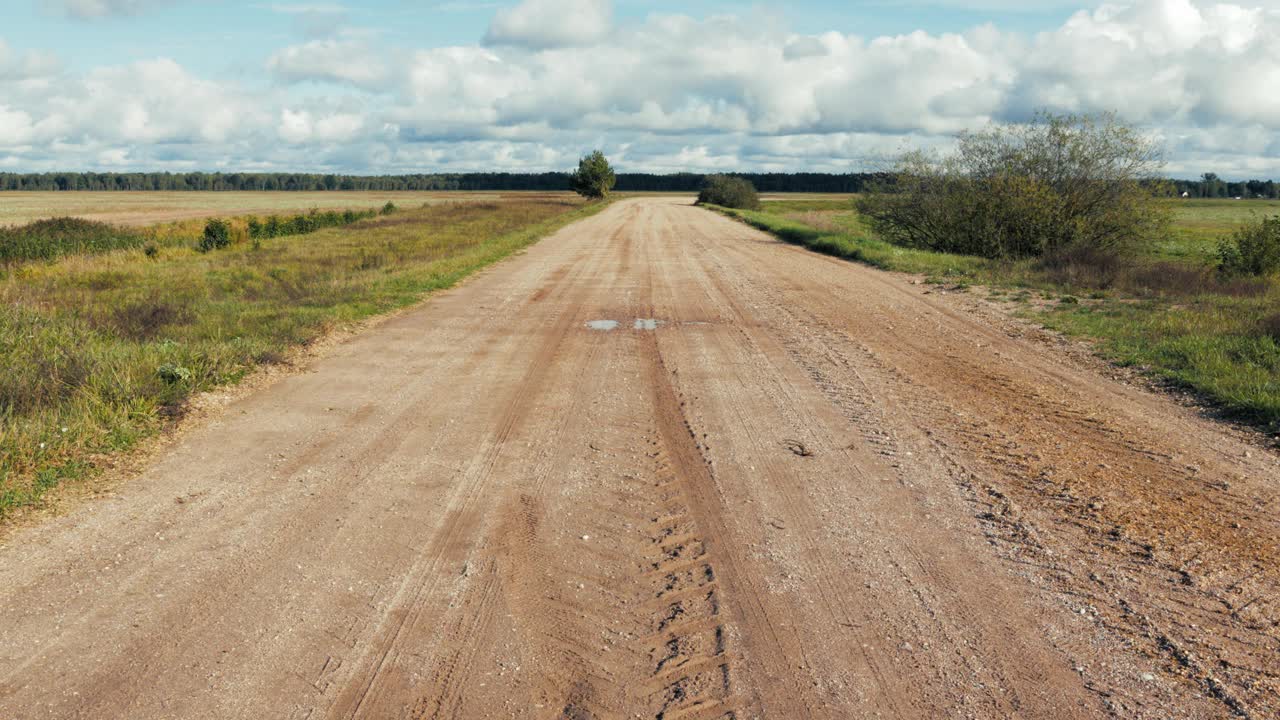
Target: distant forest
<point>1208,186</point>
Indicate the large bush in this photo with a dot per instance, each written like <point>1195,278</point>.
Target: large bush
<point>1252,250</point>
<point>217,235</point>
<point>729,191</point>
<point>594,177</point>
<point>1056,187</point>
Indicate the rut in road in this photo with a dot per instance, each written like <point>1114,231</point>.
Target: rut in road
<point>766,484</point>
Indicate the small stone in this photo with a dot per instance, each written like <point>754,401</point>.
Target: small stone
<point>1148,677</point>
<point>586,537</point>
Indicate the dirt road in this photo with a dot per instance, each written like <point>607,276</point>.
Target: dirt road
<point>780,486</point>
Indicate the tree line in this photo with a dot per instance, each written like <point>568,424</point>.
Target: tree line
<point>1211,186</point>
<point>549,181</point>
<point>1208,186</point>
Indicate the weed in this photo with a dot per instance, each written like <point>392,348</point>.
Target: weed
<point>173,373</point>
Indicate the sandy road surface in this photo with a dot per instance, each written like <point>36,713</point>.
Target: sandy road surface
<point>812,491</point>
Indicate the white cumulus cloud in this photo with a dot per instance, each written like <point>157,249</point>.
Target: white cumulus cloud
<point>551,23</point>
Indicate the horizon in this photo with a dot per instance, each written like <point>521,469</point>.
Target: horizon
<point>390,88</point>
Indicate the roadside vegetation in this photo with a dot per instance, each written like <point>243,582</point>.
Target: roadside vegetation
<point>728,191</point>
<point>1186,290</point>
<point>60,237</point>
<point>100,350</point>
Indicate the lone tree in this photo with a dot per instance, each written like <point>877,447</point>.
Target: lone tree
<point>1061,187</point>
<point>594,177</point>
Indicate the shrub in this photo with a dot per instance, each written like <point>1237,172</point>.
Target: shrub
<point>1253,249</point>
<point>728,191</point>
<point>255,228</point>
<point>1054,186</point>
<point>151,251</point>
<point>217,235</point>
<point>389,208</point>
<point>594,177</point>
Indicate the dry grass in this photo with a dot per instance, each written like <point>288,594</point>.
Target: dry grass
<point>148,208</point>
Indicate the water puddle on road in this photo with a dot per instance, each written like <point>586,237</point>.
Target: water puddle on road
<point>645,324</point>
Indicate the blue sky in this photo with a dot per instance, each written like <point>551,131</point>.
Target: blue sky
<point>397,86</point>
<point>247,30</point>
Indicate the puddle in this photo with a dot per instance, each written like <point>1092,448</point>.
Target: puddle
<point>607,325</point>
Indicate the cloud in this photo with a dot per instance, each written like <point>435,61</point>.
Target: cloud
<point>669,92</point>
<point>334,60</point>
<point>551,23</point>
<point>315,20</point>
<point>92,9</point>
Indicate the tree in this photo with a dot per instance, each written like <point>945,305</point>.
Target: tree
<point>1059,186</point>
<point>1211,185</point>
<point>594,177</point>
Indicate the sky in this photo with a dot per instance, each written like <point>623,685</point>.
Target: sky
<point>402,86</point>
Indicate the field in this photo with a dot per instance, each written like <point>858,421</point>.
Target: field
<point>147,208</point>
<point>1170,315</point>
<point>98,351</point>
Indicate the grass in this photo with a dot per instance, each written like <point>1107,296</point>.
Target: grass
<point>100,351</point>
<point>1168,313</point>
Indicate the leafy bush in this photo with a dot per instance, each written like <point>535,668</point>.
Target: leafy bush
<point>389,208</point>
<point>1046,189</point>
<point>594,177</point>
<point>728,191</point>
<point>58,237</point>
<point>1252,250</point>
<point>217,235</point>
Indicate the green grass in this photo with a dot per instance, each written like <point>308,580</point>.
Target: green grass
<point>1168,314</point>
<point>1200,224</point>
<point>97,352</point>
<point>1214,345</point>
